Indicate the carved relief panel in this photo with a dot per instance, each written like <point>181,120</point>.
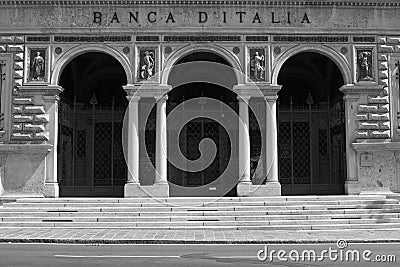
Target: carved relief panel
<point>147,63</point>
<point>365,64</point>
<point>37,67</point>
<point>257,64</point>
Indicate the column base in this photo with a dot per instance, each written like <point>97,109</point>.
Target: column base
<point>250,190</point>
<point>155,190</point>
<point>352,188</point>
<point>51,190</point>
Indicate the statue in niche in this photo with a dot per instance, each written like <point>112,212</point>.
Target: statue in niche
<point>38,66</point>
<point>364,66</point>
<point>257,65</point>
<point>147,65</point>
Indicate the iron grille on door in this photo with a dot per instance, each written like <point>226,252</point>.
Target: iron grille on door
<point>91,158</point>
<point>311,149</point>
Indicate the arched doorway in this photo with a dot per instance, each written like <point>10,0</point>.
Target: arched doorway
<point>91,111</point>
<point>311,130</point>
<point>205,182</point>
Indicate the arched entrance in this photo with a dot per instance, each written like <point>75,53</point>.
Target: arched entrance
<point>91,111</point>
<point>311,129</point>
<point>198,86</point>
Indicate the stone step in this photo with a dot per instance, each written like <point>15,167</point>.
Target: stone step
<point>225,210</point>
<point>210,204</point>
<point>224,206</point>
<point>196,226</point>
<point>179,200</point>
<point>344,218</point>
<point>206,215</point>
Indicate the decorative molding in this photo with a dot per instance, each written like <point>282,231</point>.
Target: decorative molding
<point>92,39</point>
<point>310,39</point>
<point>360,3</point>
<point>376,146</point>
<point>202,38</point>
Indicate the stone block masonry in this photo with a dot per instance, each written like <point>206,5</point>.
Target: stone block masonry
<point>373,120</point>
<point>29,121</point>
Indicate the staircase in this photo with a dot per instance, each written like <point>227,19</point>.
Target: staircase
<point>267,213</point>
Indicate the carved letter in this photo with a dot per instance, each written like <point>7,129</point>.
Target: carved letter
<point>305,18</point>
<point>202,19</point>
<point>288,17</point>
<point>97,17</point>
<point>256,17</point>
<point>149,17</point>
<point>273,18</point>
<point>224,17</point>
<point>115,17</point>
<point>133,16</point>
<point>170,17</point>
<point>240,13</point>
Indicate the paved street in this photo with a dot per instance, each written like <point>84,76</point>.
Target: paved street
<point>183,255</point>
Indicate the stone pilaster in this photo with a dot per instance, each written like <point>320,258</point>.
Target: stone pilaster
<point>40,124</point>
<point>361,118</point>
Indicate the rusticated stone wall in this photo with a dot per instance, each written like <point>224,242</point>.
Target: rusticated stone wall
<point>28,121</point>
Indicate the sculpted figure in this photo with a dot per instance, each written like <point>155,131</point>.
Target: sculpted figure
<point>364,68</point>
<point>38,67</point>
<point>258,66</point>
<point>148,65</point>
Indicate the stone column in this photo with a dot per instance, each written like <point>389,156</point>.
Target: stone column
<point>271,141</point>
<point>161,140</point>
<point>133,140</point>
<point>160,187</point>
<point>244,140</point>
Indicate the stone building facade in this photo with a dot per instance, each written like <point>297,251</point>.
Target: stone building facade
<point>324,75</point>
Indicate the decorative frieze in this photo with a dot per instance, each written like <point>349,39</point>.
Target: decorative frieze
<point>202,38</point>
<point>92,39</point>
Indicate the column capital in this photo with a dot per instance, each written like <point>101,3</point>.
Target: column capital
<point>147,89</point>
<point>133,98</point>
<point>271,98</point>
<point>161,98</point>
<point>361,88</point>
<point>44,90</point>
<point>243,98</point>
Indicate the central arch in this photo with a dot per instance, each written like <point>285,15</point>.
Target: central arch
<point>195,81</point>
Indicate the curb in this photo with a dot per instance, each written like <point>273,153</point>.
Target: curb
<point>144,241</point>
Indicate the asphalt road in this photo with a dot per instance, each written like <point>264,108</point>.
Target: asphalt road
<point>193,255</point>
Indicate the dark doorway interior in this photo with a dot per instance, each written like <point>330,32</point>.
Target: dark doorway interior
<point>311,133</point>
<point>91,111</point>
<point>200,128</point>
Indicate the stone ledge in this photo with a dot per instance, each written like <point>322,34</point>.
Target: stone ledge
<point>374,145</point>
<point>25,148</point>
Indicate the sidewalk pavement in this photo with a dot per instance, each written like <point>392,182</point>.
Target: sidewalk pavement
<point>137,236</point>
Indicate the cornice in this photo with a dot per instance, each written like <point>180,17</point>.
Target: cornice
<point>354,3</point>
